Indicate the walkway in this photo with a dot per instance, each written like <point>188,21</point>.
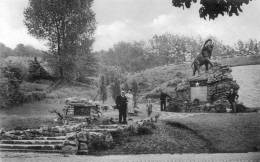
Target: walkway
<point>34,157</point>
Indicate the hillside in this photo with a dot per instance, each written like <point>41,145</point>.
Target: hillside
<point>167,77</point>
<point>162,77</point>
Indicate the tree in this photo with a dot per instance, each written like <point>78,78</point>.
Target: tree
<point>135,92</point>
<point>213,8</point>
<point>256,49</point>
<point>115,89</point>
<point>102,89</point>
<point>126,87</point>
<point>5,51</point>
<point>67,25</point>
<point>27,51</point>
<point>240,45</point>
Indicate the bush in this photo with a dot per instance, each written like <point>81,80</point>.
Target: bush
<point>10,88</point>
<point>143,130</point>
<point>146,128</point>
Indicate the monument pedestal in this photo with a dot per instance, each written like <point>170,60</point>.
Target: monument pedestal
<point>206,91</point>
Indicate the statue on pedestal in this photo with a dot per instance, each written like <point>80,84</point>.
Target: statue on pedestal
<point>204,57</point>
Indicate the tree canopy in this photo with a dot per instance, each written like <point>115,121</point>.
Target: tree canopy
<point>213,8</point>
<point>67,25</point>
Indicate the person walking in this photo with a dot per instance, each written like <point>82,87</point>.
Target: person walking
<point>232,97</point>
<point>121,103</point>
<point>163,98</point>
<point>130,103</point>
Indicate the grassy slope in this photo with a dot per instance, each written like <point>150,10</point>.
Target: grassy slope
<point>227,132</point>
<point>163,77</point>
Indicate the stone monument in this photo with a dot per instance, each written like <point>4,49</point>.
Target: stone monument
<point>206,92</point>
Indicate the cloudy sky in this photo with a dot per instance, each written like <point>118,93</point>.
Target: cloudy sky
<point>129,20</point>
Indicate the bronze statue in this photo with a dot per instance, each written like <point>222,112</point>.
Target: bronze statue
<point>204,57</point>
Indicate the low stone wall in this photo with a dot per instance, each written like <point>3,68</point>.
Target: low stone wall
<point>78,138</point>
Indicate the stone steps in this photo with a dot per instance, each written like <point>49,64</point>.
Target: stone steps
<point>32,142</point>
<point>39,144</point>
<point>30,147</point>
<point>30,150</point>
<point>51,138</point>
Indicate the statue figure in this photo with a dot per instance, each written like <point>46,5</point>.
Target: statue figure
<point>204,57</point>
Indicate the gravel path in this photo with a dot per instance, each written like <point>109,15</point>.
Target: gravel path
<point>34,157</point>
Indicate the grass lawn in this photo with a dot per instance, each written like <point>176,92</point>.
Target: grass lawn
<point>36,114</point>
<point>227,132</point>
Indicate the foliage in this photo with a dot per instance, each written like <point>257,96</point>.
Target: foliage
<point>111,73</point>
<point>12,78</point>
<point>250,47</point>
<point>68,26</point>
<point>213,8</point>
<point>125,86</point>
<point>5,51</point>
<point>115,88</point>
<point>146,128</point>
<point>102,89</point>
<point>20,50</point>
<point>160,50</point>
<point>127,56</point>
<point>134,87</point>
<point>36,71</point>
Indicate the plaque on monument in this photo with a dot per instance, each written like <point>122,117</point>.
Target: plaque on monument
<point>199,92</point>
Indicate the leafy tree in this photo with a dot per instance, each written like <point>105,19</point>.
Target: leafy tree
<point>135,92</point>
<point>240,45</point>
<point>102,89</point>
<point>37,72</point>
<point>251,45</point>
<point>26,51</point>
<point>115,89</point>
<point>256,48</point>
<point>68,27</point>
<point>213,8</point>
<point>5,51</point>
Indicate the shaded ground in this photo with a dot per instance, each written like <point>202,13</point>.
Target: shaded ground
<point>165,139</point>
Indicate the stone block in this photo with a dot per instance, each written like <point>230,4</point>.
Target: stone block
<point>83,146</point>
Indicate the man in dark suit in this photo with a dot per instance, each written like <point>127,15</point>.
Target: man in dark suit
<point>232,97</point>
<point>121,103</point>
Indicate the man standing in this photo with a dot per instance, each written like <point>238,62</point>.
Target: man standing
<point>121,103</point>
<point>232,97</point>
<point>163,98</point>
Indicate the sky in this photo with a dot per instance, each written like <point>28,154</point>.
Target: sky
<point>135,20</point>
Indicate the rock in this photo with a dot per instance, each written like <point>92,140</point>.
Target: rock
<point>71,143</point>
<point>83,146</point>
<point>71,136</point>
<point>82,137</point>
<point>68,149</point>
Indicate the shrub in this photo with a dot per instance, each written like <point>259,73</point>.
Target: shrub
<point>146,128</point>
<point>143,130</point>
<point>10,89</point>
